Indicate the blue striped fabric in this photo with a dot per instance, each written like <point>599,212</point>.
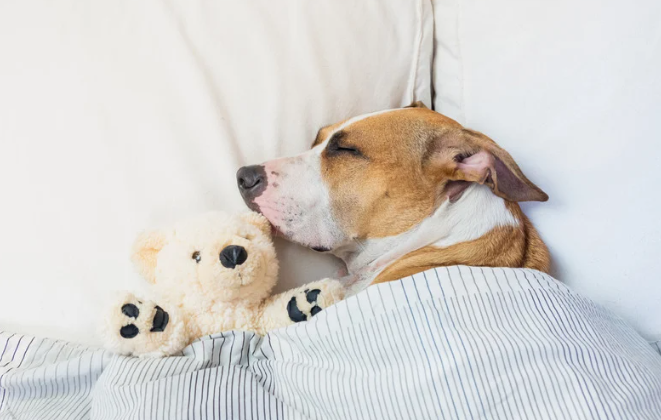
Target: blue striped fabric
<point>449,343</point>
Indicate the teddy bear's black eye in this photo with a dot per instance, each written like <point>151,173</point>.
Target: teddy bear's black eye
<point>196,256</point>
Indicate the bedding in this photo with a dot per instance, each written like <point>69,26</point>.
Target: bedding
<point>456,342</point>
<point>118,116</point>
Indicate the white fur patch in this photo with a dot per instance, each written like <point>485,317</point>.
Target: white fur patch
<point>300,205</point>
<point>477,212</point>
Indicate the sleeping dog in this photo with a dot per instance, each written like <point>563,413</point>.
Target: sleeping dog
<point>397,192</point>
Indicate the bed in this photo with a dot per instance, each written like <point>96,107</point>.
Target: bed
<point>119,116</point>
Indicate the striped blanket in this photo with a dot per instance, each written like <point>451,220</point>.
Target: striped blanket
<point>448,343</point>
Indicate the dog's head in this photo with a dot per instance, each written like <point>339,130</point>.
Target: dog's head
<point>378,175</point>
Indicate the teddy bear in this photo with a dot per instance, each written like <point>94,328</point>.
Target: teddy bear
<point>211,273</point>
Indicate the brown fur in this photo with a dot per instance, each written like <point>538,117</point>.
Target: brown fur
<point>515,246</point>
<point>390,190</point>
<point>407,163</point>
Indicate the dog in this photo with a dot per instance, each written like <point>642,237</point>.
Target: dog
<point>397,192</point>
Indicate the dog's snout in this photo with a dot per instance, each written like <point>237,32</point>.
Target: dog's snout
<point>248,177</point>
<point>233,255</point>
<point>251,180</point>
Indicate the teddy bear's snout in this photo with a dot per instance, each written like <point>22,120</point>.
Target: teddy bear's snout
<point>233,255</point>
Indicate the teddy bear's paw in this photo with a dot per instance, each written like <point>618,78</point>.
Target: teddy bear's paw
<point>141,327</point>
<point>315,297</point>
<point>158,322</point>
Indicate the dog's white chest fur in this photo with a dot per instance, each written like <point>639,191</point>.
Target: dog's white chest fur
<point>477,212</point>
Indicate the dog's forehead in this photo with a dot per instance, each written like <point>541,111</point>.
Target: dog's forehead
<point>380,128</point>
<point>325,133</point>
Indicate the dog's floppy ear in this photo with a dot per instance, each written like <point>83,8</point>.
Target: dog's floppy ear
<point>257,220</point>
<point>145,249</point>
<point>470,156</point>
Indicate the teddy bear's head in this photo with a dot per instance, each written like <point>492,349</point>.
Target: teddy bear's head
<point>213,257</point>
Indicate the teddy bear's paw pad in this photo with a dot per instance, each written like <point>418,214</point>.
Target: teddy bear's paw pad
<point>311,295</point>
<point>160,320</point>
<point>129,331</point>
<point>142,316</point>
<point>306,310</point>
<point>130,310</point>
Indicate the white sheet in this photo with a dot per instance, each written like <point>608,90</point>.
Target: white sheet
<point>457,342</point>
<point>121,115</point>
<point>572,90</point>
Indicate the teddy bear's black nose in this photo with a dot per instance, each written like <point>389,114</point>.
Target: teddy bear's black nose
<point>233,255</point>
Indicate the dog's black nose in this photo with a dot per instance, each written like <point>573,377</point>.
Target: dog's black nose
<point>251,180</point>
<point>233,255</point>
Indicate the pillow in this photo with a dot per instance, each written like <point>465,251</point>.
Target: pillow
<point>572,91</point>
<point>117,116</point>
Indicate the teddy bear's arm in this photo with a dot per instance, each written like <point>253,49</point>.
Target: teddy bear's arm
<point>299,304</point>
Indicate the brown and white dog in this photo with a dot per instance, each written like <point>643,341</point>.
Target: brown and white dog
<point>398,192</point>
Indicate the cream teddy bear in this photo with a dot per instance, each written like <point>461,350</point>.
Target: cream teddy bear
<point>210,274</point>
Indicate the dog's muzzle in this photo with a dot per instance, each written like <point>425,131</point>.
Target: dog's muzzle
<point>252,183</point>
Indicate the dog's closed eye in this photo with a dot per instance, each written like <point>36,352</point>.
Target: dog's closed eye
<point>337,147</point>
<point>352,150</point>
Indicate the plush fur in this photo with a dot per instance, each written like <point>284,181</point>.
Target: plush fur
<point>196,293</point>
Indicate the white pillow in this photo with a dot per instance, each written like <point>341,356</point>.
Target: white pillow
<point>120,115</point>
<point>572,90</point>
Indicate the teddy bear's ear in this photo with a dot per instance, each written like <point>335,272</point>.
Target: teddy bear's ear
<point>258,220</point>
<point>144,252</point>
